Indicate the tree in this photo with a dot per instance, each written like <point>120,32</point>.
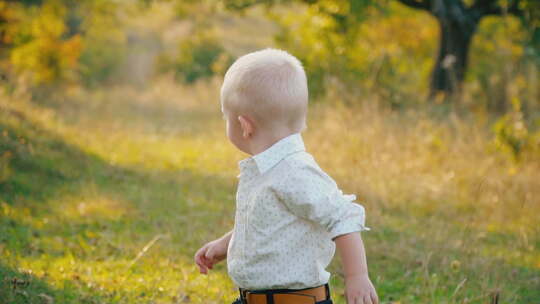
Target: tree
<point>458,21</point>
<point>36,40</point>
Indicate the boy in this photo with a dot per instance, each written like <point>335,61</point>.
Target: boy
<point>290,215</point>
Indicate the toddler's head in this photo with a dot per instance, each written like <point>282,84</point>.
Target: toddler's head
<point>264,95</point>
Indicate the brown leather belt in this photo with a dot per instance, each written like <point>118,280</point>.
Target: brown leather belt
<point>286,296</point>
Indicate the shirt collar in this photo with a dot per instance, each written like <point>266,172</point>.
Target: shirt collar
<point>268,158</point>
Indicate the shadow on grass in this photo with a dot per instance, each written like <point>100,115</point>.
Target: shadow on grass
<point>18,287</point>
<point>42,172</point>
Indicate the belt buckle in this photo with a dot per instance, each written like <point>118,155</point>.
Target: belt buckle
<point>243,295</point>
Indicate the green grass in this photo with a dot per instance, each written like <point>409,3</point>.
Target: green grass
<point>88,179</point>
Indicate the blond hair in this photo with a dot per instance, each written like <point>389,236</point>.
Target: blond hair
<point>270,86</point>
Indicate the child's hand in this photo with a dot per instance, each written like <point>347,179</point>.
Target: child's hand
<point>210,254</point>
<point>360,290</point>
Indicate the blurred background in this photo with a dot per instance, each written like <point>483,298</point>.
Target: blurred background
<point>115,167</point>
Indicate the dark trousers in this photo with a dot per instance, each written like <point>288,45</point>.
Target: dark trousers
<point>240,300</point>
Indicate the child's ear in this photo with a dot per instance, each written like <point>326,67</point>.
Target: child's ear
<point>246,125</point>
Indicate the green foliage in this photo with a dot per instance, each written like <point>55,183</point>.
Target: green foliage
<point>105,43</point>
<point>333,37</point>
<point>5,169</point>
<point>348,48</point>
<point>59,42</point>
<point>385,51</point>
<point>499,63</point>
<point>41,47</point>
<point>512,135</point>
<point>321,38</point>
<point>200,56</point>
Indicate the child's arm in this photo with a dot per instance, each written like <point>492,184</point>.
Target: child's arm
<point>212,252</point>
<point>226,238</point>
<point>358,287</point>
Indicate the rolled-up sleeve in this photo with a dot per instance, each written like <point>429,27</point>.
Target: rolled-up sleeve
<point>311,194</point>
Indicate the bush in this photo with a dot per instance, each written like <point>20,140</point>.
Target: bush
<point>198,57</point>
<point>513,136</point>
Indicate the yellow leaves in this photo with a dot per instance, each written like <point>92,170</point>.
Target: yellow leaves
<point>373,50</point>
<point>497,40</point>
<point>42,50</point>
<point>21,214</point>
<point>5,208</point>
<point>401,35</point>
<point>221,64</point>
<point>334,7</point>
<point>9,13</point>
<point>49,21</point>
<point>71,49</point>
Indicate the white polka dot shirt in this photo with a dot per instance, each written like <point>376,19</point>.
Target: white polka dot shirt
<point>288,211</point>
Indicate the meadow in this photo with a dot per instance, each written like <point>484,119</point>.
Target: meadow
<point>115,167</point>
<point>106,194</point>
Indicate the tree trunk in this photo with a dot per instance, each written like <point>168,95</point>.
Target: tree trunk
<point>458,21</point>
<point>454,42</point>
